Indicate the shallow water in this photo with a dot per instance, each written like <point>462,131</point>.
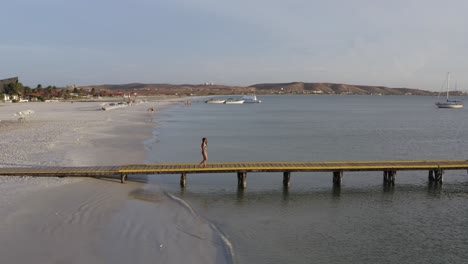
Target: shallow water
<point>312,222</point>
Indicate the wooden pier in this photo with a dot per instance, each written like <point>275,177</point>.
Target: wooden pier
<point>435,169</point>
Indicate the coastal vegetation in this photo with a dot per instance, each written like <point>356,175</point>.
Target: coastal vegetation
<point>15,91</point>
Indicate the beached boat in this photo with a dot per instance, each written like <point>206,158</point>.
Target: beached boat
<point>250,99</point>
<point>215,101</point>
<point>449,103</point>
<point>234,101</point>
<point>111,106</point>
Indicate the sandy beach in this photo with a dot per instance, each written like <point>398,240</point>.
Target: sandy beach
<point>90,220</point>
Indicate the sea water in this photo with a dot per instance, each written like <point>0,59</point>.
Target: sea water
<point>311,221</point>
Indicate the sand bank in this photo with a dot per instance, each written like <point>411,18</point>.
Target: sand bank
<point>76,220</point>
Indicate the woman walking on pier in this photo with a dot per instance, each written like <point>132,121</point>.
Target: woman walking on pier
<point>204,152</point>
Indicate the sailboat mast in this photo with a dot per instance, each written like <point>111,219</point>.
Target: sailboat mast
<point>448,84</point>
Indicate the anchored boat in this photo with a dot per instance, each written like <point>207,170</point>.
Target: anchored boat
<point>449,103</point>
<point>215,101</point>
<point>251,99</point>
<point>234,101</point>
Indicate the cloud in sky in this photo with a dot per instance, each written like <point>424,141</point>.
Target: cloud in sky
<point>397,43</point>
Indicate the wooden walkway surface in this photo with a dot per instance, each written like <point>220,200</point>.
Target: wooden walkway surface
<point>237,167</point>
<point>241,167</point>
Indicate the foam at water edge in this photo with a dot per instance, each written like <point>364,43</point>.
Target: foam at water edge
<point>226,243</point>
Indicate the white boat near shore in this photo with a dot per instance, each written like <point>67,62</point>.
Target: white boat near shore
<point>215,101</point>
<point>231,100</point>
<point>234,101</point>
<point>251,99</point>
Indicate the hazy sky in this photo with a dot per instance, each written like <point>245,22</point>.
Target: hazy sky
<point>394,43</point>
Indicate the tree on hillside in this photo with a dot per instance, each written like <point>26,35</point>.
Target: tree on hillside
<point>48,91</point>
<point>13,88</point>
<point>38,89</point>
<point>27,90</point>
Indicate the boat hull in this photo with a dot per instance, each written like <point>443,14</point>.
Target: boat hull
<point>448,105</point>
<point>234,102</point>
<point>215,101</point>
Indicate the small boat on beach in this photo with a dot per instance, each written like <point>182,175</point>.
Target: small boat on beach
<point>449,103</point>
<point>215,101</point>
<point>111,106</point>
<point>234,101</point>
<point>251,99</point>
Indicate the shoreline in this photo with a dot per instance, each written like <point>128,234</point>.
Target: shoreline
<point>102,218</point>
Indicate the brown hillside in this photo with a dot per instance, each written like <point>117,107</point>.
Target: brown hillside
<point>263,88</point>
<point>336,88</point>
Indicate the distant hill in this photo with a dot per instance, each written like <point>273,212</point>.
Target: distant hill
<point>335,88</point>
<point>263,88</point>
<point>173,89</point>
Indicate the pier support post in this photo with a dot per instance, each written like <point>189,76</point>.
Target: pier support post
<point>436,175</point>
<point>183,179</point>
<point>439,176</point>
<point>430,176</point>
<point>242,179</point>
<point>286,178</point>
<point>389,176</point>
<point>123,177</point>
<point>337,177</point>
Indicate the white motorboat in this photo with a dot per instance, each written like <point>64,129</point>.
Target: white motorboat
<point>250,99</point>
<point>234,101</point>
<point>449,103</point>
<point>111,106</point>
<point>215,101</point>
